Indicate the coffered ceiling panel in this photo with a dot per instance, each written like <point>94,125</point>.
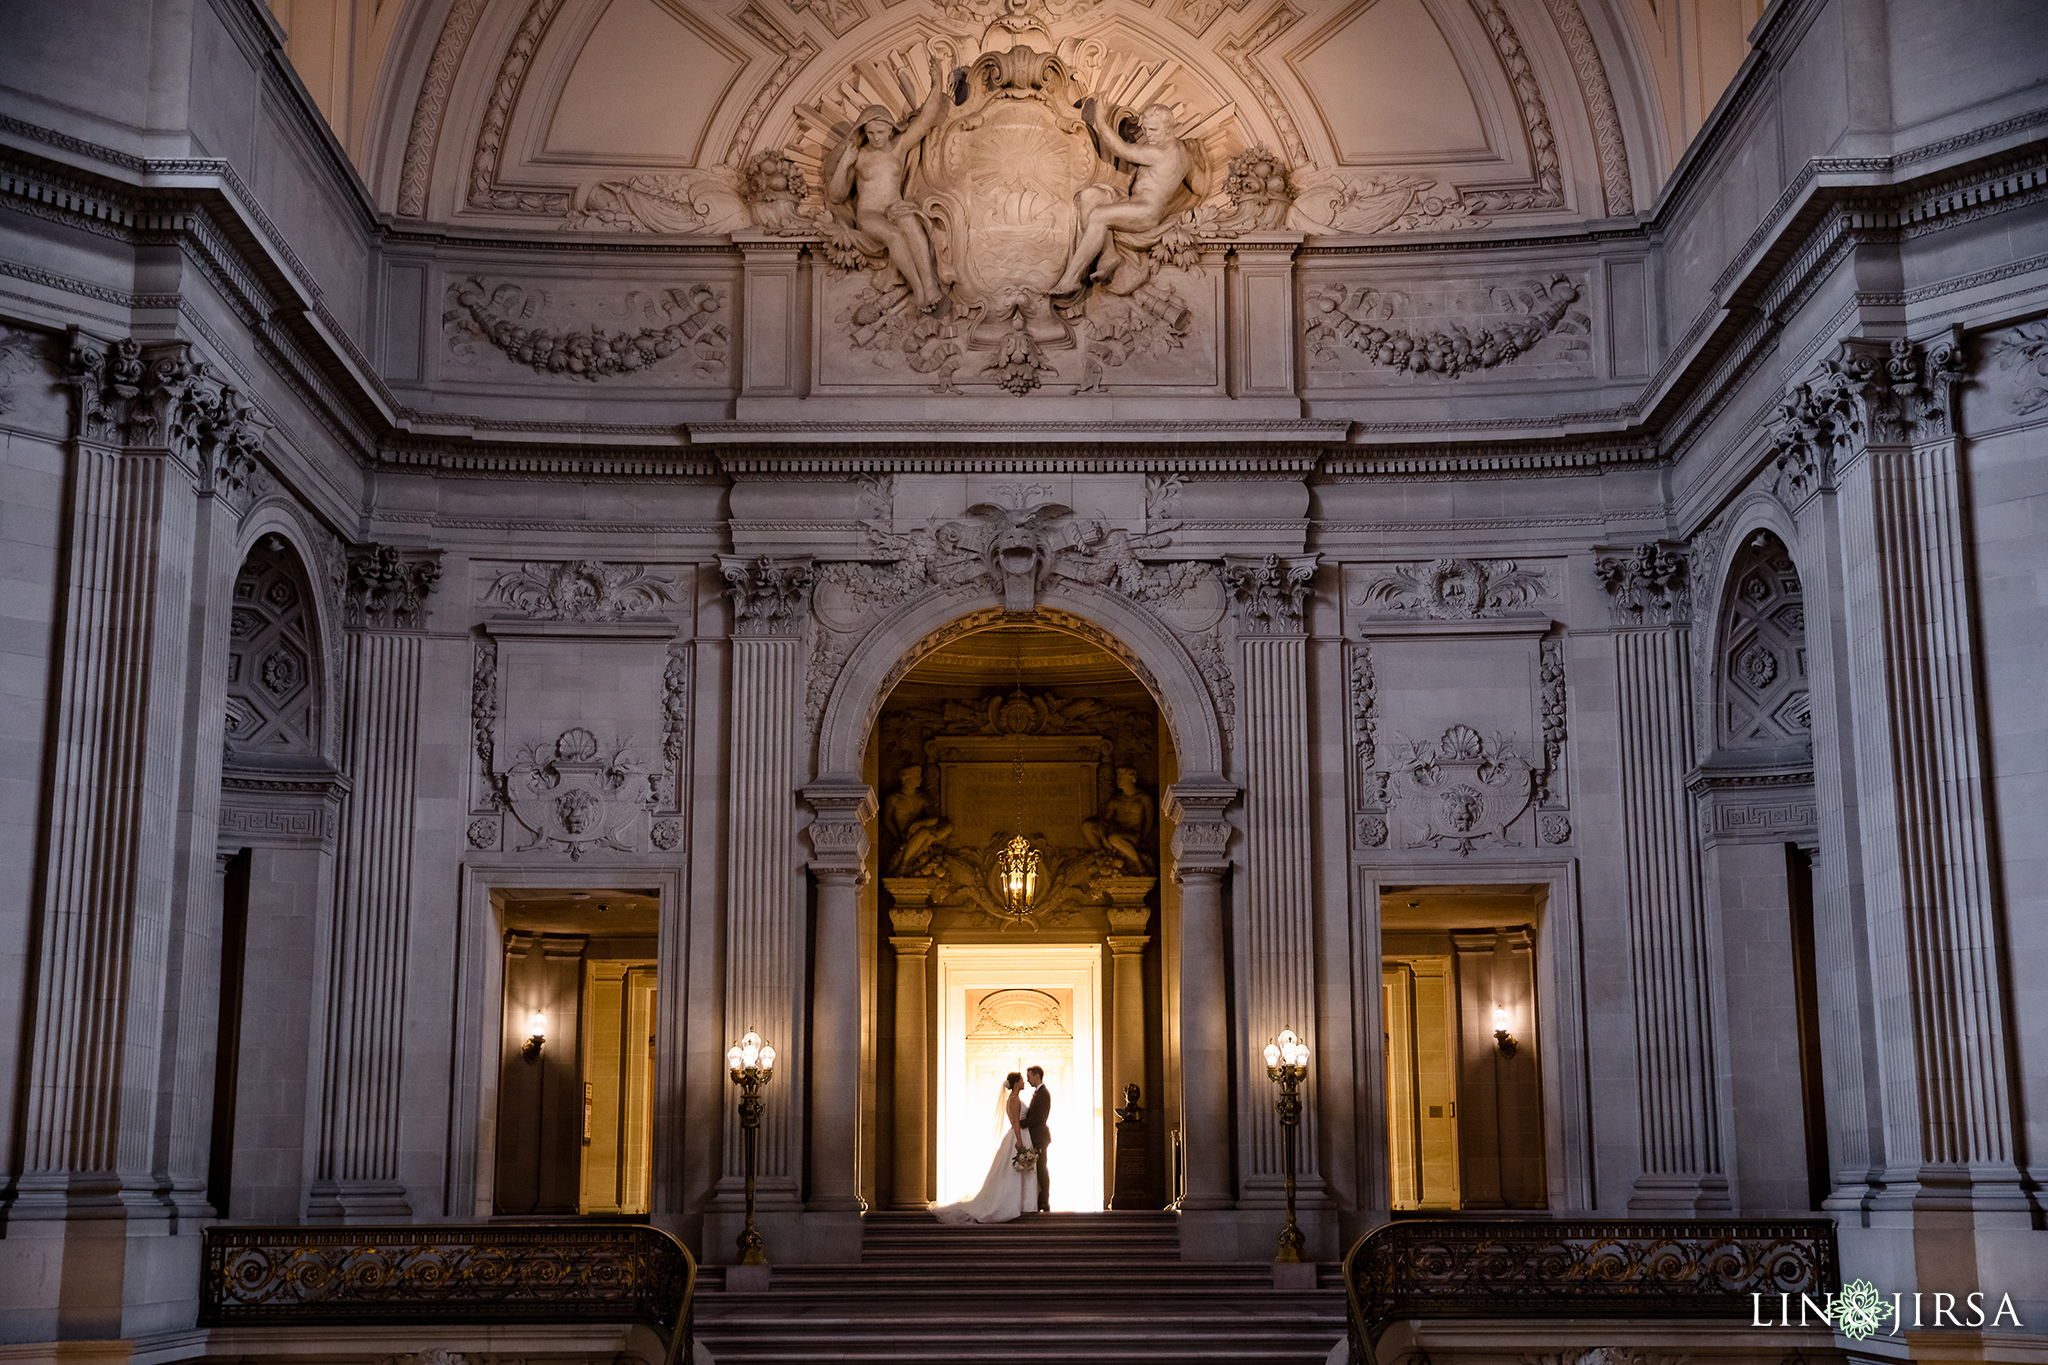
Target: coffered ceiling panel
<point>1389,89</point>
<point>642,88</point>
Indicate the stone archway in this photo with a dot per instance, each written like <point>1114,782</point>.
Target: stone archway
<point>1148,647</point>
<point>842,800</point>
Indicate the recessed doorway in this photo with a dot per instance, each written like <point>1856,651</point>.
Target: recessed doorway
<point>1465,1120</point>
<point>1004,1008</point>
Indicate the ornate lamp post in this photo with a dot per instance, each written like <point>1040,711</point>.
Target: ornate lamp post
<point>751,1061</point>
<point>1287,1063</point>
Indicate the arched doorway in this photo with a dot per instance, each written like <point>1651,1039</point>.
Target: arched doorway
<point>1009,732</point>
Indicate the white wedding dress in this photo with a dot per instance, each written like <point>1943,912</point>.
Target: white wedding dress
<point>1001,1197</point>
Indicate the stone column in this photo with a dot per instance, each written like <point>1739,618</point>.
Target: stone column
<point>839,843</point>
<point>227,439</point>
<point>1276,952</point>
<point>355,1165</point>
<point>1201,840</point>
<point>765,945</point>
<point>1941,1014</point>
<point>910,915</point>
<point>149,443</point>
<point>1675,1000</point>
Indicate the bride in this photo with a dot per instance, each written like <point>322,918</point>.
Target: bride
<point>1001,1196</point>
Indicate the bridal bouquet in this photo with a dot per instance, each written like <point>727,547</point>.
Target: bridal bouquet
<point>1025,1160</point>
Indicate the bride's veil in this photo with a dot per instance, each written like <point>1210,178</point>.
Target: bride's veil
<point>1002,1110</point>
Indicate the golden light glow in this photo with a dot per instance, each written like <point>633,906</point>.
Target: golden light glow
<point>1018,868</point>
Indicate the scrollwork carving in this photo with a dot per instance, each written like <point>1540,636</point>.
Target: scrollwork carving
<point>1452,589</point>
<point>577,794</point>
<point>1550,672</point>
<point>582,590</point>
<point>2025,349</point>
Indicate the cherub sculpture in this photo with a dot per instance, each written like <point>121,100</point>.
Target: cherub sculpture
<point>866,181</point>
<point>1118,224</point>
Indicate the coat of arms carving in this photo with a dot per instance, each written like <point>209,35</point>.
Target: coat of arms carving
<point>576,794</point>
<point>1015,208</point>
<point>1459,792</point>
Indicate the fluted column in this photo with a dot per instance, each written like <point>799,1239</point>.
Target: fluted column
<point>93,1060</point>
<point>839,843</point>
<point>910,915</point>
<point>1682,1166</point>
<point>765,942</point>
<point>355,1167</point>
<point>185,1124</point>
<point>1276,952</point>
<point>1921,792</point>
<point>1201,840</point>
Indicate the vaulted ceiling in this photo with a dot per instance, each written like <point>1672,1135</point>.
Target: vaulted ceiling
<point>639,115</point>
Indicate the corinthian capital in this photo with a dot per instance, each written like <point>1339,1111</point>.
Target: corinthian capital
<point>1269,591</point>
<point>770,595</point>
<point>387,587</point>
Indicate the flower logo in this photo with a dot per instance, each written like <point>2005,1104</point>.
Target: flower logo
<point>1859,1309</point>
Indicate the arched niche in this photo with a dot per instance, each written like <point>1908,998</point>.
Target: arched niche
<point>276,687</point>
<point>1762,707</point>
<point>1146,646</point>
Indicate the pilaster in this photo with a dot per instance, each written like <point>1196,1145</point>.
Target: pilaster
<point>1276,952</point>
<point>1941,1013</point>
<point>1200,848</point>
<point>910,915</point>
<point>767,948</point>
<point>355,1167</point>
<point>1675,999</point>
<point>842,810</point>
<point>154,433</point>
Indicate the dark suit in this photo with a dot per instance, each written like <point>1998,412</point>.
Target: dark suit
<point>1035,1129</point>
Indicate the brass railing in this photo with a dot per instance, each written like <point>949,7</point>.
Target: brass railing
<point>453,1274</point>
<point>1613,1268</point>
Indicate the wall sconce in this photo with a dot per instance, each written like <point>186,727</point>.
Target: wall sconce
<point>537,1040</point>
<point>1502,1039</point>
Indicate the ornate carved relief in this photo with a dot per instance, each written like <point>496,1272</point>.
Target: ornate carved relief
<point>770,596</point>
<point>483,719</point>
<point>836,15</point>
<point>576,794</point>
<point>1550,669</point>
<point>1240,53</point>
<point>1342,203</point>
<point>387,587</point>
<point>1365,721</point>
<point>1453,793</point>
<point>1599,96</point>
<point>1020,1013</point>
<point>1650,585</point>
<point>490,139</point>
<point>432,104</point>
<point>1478,333</point>
<point>1889,395</point>
<point>686,321</point>
<point>2023,352</point>
<point>21,353</point>
<point>1268,592</point>
<point>1452,589</point>
<point>675,729</point>
<point>159,397</point>
<point>582,590</point>
<point>1548,191</point>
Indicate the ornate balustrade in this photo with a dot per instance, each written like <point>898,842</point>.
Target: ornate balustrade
<point>1613,1268</point>
<point>527,1273</point>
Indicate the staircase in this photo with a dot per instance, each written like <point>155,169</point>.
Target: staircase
<point>1050,1288</point>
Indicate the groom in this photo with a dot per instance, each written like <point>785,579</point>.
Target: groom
<point>1034,1128</point>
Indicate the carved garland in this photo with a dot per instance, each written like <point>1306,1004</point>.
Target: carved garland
<point>592,353</point>
<point>1362,318</point>
<point>1548,192</point>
